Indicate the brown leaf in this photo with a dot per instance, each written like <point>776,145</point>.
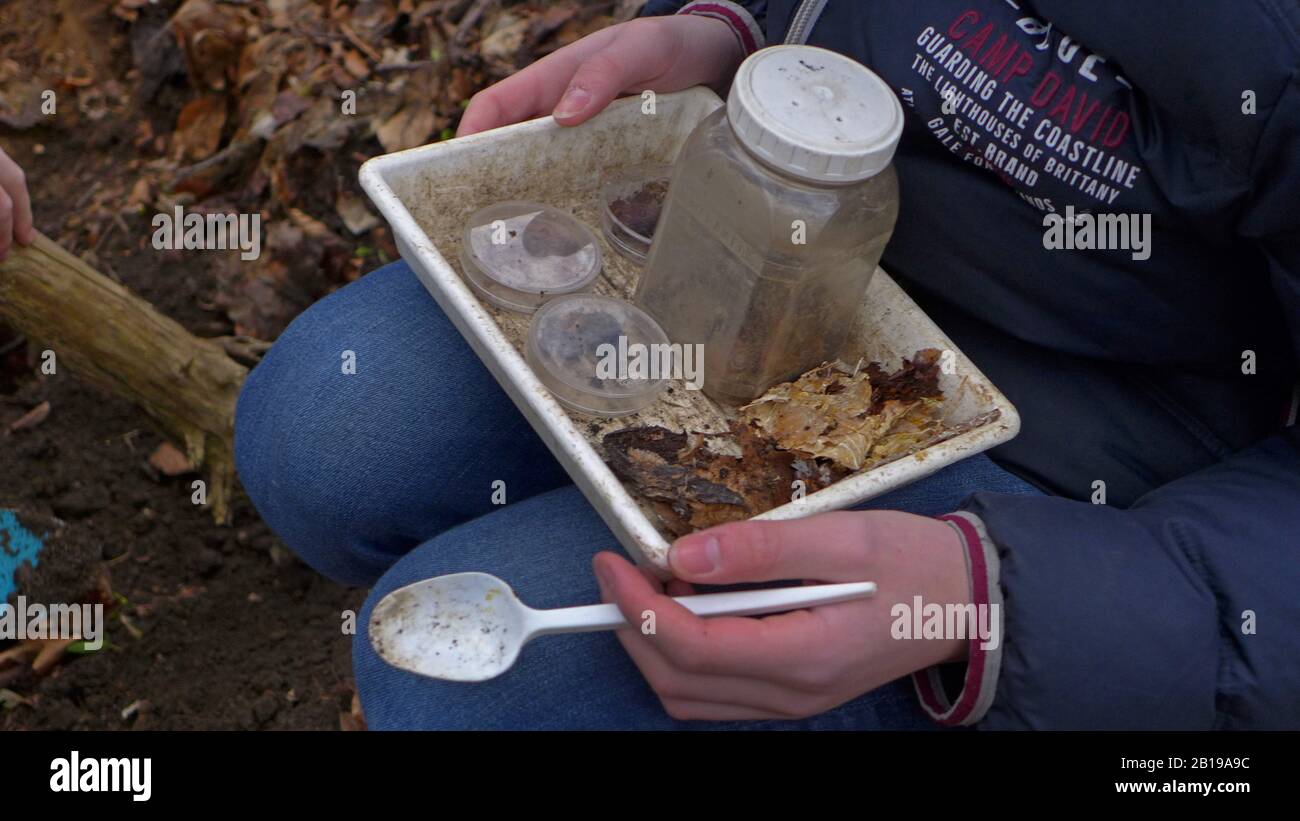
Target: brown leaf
<point>169,461</point>
<point>288,106</point>
<point>199,126</point>
<point>842,414</point>
<point>353,720</point>
<point>408,128</point>
<point>356,64</point>
<point>51,651</point>
<point>354,213</point>
<point>141,194</point>
<point>699,480</point>
<point>213,36</point>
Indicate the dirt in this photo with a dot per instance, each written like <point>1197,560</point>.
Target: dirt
<point>232,631</point>
<point>640,211</point>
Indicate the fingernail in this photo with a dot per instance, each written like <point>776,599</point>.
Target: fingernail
<point>575,100</point>
<point>697,558</point>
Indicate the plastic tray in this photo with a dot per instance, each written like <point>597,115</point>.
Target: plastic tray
<point>427,193</point>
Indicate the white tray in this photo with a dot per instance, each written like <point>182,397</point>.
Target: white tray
<point>427,193</point>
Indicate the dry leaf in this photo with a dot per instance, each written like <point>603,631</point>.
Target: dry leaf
<point>842,414</point>
<point>408,128</point>
<point>354,213</point>
<point>169,461</point>
<point>355,64</point>
<point>199,126</point>
<point>353,720</point>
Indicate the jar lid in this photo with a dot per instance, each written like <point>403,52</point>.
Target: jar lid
<point>594,354</point>
<point>815,114</point>
<point>518,255</point>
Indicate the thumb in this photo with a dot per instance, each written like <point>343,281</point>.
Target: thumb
<point>597,83</point>
<point>834,547</point>
<point>632,57</point>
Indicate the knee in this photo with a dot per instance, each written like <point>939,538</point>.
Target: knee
<point>311,439</point>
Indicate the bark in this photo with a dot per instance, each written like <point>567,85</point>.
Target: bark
<point>118,342</point>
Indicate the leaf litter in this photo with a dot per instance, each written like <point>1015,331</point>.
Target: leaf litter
<point>824,426</point>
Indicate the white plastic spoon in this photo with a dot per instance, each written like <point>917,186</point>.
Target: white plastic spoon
<point>471,626</point>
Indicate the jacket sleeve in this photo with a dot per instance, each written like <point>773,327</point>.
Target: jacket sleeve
<point>1181,611</point>
<point>747,19</point>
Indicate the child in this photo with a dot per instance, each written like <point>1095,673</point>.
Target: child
<point>1138,537</point>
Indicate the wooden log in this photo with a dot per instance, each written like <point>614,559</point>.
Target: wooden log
<point>118,342</point>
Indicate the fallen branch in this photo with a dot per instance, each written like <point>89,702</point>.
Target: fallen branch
<point>118,342</point>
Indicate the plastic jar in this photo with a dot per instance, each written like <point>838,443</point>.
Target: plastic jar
<point>779,210</point>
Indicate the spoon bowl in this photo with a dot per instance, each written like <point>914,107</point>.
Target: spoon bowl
<point>471,626</point>
<point>461,627</point>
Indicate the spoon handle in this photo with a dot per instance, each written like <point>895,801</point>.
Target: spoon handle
<point>739,603</point>
<point>776,600</point>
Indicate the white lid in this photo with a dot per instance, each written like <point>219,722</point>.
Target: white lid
<point>815,114</point>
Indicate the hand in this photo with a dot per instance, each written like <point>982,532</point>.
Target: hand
<point>577,82</point>
<point>15,207</point>
<point>796,664</point>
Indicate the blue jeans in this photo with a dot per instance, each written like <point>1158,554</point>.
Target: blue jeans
<point>385,476</point>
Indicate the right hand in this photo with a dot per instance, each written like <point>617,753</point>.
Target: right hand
<point>660,54</point>
<point>15,207</point>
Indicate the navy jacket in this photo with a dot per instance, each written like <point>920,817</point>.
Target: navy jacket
<point>1176,602</point>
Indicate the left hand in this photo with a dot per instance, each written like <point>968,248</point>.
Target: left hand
<point>15,207</point>
<point>798,664</point>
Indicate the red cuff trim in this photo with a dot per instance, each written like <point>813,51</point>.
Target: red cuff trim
<point>928,685</point>
<point>742,24</point>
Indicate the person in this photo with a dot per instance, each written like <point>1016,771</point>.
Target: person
<point>1139,534</point>
<point>15,207</point>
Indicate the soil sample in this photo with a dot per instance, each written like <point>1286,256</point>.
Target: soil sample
<point>633,202</point>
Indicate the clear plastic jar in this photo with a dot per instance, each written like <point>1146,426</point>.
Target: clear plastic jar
<point>779,210</point>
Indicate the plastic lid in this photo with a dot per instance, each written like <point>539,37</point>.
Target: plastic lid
<point>815,114</point>
<point>518,255</point>
<point>593,353</point>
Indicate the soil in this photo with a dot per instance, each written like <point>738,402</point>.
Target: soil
<point>640,211</point>
<point>234,631</point>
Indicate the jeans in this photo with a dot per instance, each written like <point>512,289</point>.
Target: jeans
<point>385,476</point>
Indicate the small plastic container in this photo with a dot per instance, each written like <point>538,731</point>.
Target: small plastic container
<point>518,255</point>
<point>631,204</point>
<point>585,348</point>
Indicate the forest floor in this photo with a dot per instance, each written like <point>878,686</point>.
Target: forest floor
<point>216,106</point>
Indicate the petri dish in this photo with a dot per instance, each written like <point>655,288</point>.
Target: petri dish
<point>632,201</point>
<point>518,255</point>
<point>597,355</point>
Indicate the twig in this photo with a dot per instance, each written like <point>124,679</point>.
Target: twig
<point>359,43</point>
<point>385,68</point>
<point>471,19</point>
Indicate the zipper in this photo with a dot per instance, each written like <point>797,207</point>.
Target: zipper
<point>804,20</point>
